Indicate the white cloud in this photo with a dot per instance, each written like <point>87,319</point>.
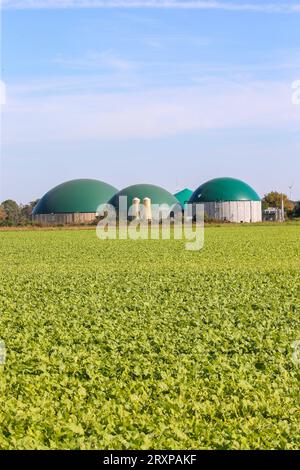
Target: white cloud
<point>158,113</point>
<point>106,59</point>
<point>2,93</point>
<point>167,4</point>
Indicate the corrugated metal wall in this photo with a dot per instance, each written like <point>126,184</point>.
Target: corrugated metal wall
<point>234,211</point>
<point>75,218</point>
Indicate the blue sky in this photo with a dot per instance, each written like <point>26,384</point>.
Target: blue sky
<point>160,91</point>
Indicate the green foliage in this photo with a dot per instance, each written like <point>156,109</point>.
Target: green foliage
<point>2,214</point>
<point>12,214</point>
<point>26,211</point>
<point>274,199</point>
<point>144,345</point>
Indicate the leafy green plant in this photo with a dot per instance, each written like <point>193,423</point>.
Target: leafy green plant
<point>144,345</point>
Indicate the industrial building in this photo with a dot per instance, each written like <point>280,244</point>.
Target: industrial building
<point>77,201</point>
<point>142,197</point>
<point>73,202</point>
<point>273,214</point>
<point>228,199</point>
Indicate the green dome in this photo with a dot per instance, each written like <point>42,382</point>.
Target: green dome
<point>82,195</point>
<point>157,195</point>
<point>224,189</point>
<point>183,196</point>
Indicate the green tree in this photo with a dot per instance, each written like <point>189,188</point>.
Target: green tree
<point>12,212</point>
<point>2,214</point>
<point>274,198</point>
<point>26,211</point>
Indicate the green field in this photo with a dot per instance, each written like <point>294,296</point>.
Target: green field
<point>144,345</point>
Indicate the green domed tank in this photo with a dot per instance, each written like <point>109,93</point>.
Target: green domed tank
<point>228,200</point>
<point>75,196</point>
<point>157,195</point>
<point>224,189</point>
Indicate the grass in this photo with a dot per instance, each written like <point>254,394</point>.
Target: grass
<point>41,227</point>
<point>144,345</point>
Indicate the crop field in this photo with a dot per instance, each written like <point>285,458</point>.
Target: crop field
<point>144,345</point>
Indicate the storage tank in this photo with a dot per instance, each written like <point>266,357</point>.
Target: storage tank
<point>229,199</point>
<point>73,202</point>
<point>157,196</point>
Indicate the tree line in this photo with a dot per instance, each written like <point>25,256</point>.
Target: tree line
<point>14,214</point>
<point>274,199</point>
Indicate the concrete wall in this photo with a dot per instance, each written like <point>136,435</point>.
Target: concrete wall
<point>234,211</point>
<point>75,218</point>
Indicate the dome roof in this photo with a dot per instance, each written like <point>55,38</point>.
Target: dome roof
<point>157,195</point>
<point>224,189</point>
<point>183,196</point>
<point>82,195</point>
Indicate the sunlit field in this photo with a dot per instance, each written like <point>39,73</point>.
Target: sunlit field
<point>144,345</point>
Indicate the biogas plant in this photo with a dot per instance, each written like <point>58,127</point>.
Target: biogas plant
<point>78,201</point>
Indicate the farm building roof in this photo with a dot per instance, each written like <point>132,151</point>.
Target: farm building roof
<point>157,195</point>
<point>224,189</point>
<point>81,195</point>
